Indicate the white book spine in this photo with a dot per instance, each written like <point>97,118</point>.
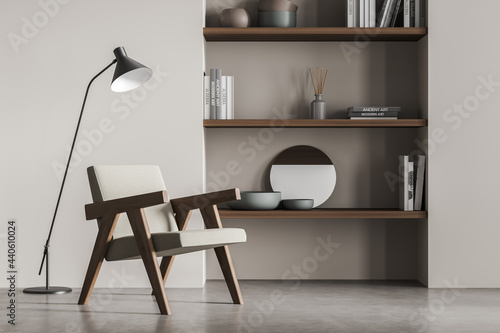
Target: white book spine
<point>230,97</point>
<point>367,13</point>
<point>373,13</point>
<point>350,13</point>
<point>206,97</point>
<point>406,13</point>
<point>361,13</point>
<point>223,97</point>
<point>411,186</point>
<point>403,182</point>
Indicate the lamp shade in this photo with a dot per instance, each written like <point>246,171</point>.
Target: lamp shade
<point>129,74</point>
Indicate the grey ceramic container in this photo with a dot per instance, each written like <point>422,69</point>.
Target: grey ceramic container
<point>277,5</point>
<point>256,200</point>
<point>278,19</point>
<point>318,108</point>
<point>298,204</point>
<point>234,17</point>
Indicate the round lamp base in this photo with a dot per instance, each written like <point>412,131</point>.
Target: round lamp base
<point>44,290</point>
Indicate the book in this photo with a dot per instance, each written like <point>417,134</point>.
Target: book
<point>367,13</point>
<point>386,13</point>
<point>217,79</point>
<point>411,185</point>
<point>213,115</point>
<point>396,13</point>
<point>373,114</point>
<point>373,13</point>
<point>206,97</point>
<point>362,9</point>
<point>230,97</point>
<point>350,13</point>
<point>419,181</point>
<point>379,118</point>
<point>403,182</point>
<point>406,13</point>
<point>374,109</point>
<point>423,13</point>
<point>420,16</point>
<point>417,13</point>
<point>223,98</point>
<point>412,13</point>
<point>356,12</point>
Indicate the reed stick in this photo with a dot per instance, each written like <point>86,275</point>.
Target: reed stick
<point>324,82</point>
<point>312,79</point>
<point>317,78</point>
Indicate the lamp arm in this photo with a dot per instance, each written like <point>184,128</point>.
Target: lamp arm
<point>46,246</point>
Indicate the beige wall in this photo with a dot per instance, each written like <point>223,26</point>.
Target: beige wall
<point>464,220</point>
<point>42,89</point>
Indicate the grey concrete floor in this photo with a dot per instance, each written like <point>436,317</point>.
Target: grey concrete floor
<point>270,306</point>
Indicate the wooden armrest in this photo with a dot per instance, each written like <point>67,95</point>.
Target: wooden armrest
<point>203,200</point>
<point>116,206</point>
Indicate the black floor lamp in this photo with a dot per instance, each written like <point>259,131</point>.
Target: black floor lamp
<point>129,74</point>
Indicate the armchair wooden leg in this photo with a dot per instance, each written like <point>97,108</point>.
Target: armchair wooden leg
<point>165,266</point>
<point>211,218</point>
<point>226,264</point>
<point>142,235</point>
<point>104,236</point>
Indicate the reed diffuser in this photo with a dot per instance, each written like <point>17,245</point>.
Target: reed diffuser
<point>318,106</point>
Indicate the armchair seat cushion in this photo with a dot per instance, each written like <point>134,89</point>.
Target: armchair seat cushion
<point>176,242</point>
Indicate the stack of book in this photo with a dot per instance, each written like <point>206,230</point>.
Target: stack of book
<point>373,112</point>
<point>362,13</point>
<point>218,95</point>
<point>411,182</point>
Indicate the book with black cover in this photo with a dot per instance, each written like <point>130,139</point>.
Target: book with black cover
<point>213,114</point>
<point>419,181</point>
<point>218,92</point>
<point>403,182</point>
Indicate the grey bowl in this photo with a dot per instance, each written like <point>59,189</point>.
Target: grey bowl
<point>256,200</point>
<point>298,204</point>
<point>278,19</point>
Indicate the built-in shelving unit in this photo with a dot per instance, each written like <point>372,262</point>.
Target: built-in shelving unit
<point>323,213</point>
<point>313,123</point>
<point>312,34</point>
<point>316,34</point>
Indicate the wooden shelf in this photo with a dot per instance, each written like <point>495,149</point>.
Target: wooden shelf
<point>312,34</point>
<point>309,123</point>
<point>322,213</point>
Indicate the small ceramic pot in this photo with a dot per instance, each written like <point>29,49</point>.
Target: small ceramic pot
<point>234,17</point>
<point>277,5</point>
<point>277,19</point>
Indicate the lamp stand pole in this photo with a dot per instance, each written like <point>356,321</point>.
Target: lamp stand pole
<point>48,289</point>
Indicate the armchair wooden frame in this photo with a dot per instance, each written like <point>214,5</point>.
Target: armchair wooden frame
<point>109,211</point>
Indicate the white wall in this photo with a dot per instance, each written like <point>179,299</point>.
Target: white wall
<point>42,88</point>
<point>464,218</point>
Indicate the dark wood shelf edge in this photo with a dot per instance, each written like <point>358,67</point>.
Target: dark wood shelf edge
<point>310,123</point>
<point>312,34</point>
<point>323,213</point>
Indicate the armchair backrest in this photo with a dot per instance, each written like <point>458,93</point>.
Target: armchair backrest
<point>108,182</point>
